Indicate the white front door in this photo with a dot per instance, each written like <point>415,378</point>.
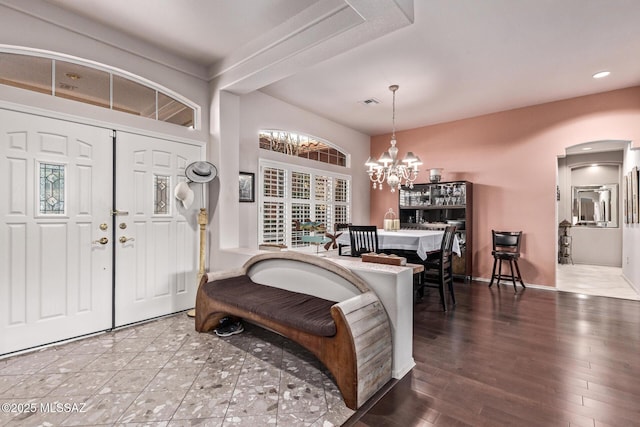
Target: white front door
<point>56,192</point>
<point>156,260</point>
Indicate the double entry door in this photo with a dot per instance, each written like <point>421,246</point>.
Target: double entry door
<point>91,235</point>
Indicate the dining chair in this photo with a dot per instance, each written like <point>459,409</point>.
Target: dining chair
<point>337,227</point>
<point>506,247</point>
<point>438,269</point>
<point>364,239</point>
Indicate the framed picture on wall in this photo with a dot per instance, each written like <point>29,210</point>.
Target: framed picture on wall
<point>247,187</point>
<point>634,193</point>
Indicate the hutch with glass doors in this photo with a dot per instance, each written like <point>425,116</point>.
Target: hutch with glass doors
<point>436,205</point>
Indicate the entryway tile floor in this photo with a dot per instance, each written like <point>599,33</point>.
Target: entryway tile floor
<point>594,280</point>
<point>164,373</point>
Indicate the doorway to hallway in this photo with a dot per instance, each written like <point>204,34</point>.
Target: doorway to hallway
<point>596,218</point>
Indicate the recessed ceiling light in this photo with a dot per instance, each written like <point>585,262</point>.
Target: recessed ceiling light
<point>587,148</point>
<point>594,165</point>
<point>601,74</point>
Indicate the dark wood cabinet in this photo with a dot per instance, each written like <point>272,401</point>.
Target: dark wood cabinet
<point>434,205</point>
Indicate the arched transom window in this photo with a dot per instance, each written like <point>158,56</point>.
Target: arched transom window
<point>299,145</point>
<point>94,84</point>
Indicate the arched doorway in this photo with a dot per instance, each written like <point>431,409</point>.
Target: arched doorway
<point>590,199</point>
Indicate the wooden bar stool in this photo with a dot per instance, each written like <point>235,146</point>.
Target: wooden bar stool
<point>506,247</point>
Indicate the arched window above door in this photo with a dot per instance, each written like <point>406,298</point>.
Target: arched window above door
<point>90,83</point>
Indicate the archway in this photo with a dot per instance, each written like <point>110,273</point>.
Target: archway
<point>590,200</point>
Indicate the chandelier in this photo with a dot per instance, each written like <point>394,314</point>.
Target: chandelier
<point>388,167</point>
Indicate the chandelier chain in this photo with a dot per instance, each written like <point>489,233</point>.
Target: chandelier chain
<point>393,116</point>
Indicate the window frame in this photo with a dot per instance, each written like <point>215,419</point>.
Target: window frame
<point>112,71</point>
<point>288,144</point>
<point>288,201</point>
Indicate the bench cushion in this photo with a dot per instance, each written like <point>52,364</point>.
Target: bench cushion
<point>305,312</point>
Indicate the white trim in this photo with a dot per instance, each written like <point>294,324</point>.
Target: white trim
<point>12,106</point>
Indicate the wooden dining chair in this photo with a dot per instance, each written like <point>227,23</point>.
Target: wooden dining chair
<point>338,227</point>
<point>438,270</point>
<point>364,239</point>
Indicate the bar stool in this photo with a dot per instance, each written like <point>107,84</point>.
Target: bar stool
<point>506,247</point>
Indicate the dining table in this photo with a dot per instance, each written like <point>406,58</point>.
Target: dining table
<point>420,241</point>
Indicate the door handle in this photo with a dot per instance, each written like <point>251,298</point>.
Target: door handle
<point>125,239</point>
<point>102,241</point>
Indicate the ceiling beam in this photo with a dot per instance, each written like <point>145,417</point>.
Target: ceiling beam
<point>324,30</point>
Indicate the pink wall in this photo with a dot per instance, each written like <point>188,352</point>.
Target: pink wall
<point>511,158</point>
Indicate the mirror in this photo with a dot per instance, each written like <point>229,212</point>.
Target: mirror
<point>595,205</point>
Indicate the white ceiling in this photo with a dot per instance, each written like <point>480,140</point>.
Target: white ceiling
<point>457,59</point>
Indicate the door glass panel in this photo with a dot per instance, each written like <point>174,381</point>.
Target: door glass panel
<point>82,84</point>
<point>133,98</point>
<point>161,195</point>
<point>173,111</point>
<point>26,72</point>
<point>52,198</point>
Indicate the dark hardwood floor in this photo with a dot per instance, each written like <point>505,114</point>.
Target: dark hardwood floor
<point>535,358</point>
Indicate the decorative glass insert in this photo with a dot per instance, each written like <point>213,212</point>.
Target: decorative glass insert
<point>52,194</point>
<point>103,86</point>
<point>161,195</point>
<point>298,145</point>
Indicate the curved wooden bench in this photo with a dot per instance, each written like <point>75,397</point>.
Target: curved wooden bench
<point>358,354</point>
